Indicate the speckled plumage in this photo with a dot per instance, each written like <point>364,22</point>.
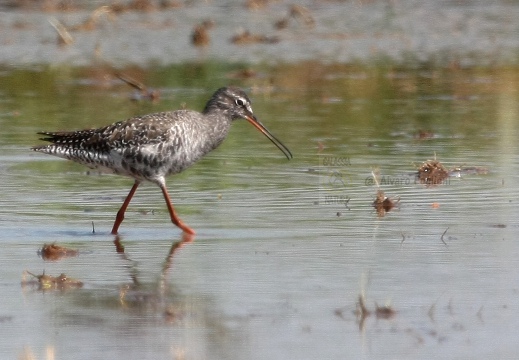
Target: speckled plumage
<point>153,146</point>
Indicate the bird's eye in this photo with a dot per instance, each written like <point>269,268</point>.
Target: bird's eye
<point>240,102</point>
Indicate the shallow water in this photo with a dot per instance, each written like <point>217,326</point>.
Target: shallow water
<point>283,248</point>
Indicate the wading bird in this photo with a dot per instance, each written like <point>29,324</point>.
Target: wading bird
<point>151,147</point>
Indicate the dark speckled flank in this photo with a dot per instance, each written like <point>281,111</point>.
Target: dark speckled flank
<point>153,146</point>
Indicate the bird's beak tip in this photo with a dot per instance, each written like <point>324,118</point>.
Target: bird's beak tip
<point>258,125</point>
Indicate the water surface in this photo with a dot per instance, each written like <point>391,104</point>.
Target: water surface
<point>275,269</point>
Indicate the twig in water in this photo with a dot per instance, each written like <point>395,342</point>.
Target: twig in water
<point>64,37</point>
<point>375,174</point>
<point>441,238</point>
<point>431,311</point>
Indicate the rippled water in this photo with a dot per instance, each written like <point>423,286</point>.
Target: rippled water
<point>276,268</point>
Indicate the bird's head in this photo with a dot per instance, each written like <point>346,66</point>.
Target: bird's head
<point>235,103</point>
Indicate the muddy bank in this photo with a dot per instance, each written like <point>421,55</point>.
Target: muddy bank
<point>408,32</point>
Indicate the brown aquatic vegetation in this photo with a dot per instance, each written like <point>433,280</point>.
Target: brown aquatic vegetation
<point>55,252</point>
<point>58,5</point>
<point>244,37</point>
<point>300,14</point>
<point>48,282</point>
<point>384,312</point>
<point>256,4</point>
<point>282,23</point>
<point>200,35</point>
<point>135,5</point>
<point>144,5</point>
<point>90,24</point>
<point>362,312</point>
<point>432,172</point>
<point>384,204</point>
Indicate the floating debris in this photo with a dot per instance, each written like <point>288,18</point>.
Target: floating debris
<point>432,172</point>
<point>143,92</point>
<point>47,282</point>
<point>384,312</point>
<point>381,312</point>
<point>282,23</point>
<point>384,204</point>
<point>55,252</point>
<point>362,311</point>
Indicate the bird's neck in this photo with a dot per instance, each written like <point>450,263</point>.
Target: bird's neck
<point>218,124</point>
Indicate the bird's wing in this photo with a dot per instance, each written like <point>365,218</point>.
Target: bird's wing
<point>137,131</point>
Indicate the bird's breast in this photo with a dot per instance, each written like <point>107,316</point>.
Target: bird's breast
<point>184,145</point>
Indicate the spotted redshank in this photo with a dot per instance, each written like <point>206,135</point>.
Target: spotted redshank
<point>151,147</point>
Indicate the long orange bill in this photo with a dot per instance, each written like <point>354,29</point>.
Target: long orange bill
<point>258,125</point>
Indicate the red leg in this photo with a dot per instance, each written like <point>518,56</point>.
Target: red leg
<point>173,214</point>
<point>120,214</point>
